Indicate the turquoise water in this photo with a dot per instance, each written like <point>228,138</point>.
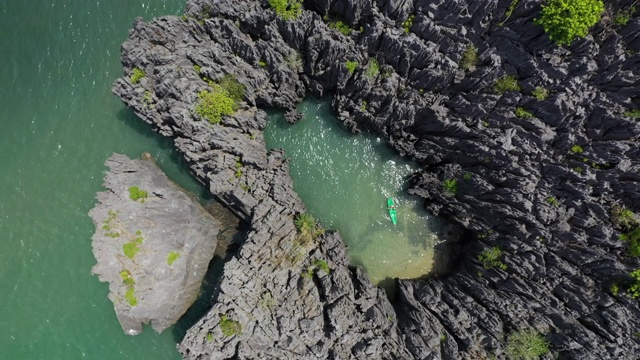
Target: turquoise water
<point>344,180</point>
<point>59,123</point>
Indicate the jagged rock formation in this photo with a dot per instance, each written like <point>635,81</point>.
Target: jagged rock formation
<point>541,188</point>
<point>153,249</point>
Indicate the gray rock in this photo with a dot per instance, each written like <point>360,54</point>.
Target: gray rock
<point>153,251</point>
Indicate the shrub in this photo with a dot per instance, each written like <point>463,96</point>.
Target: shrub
<point>552,201</point>
<point>262,63</point>
<point>578,169</point>
<point>511,8</point>
<point>540,93</point>
<point>341,26</point>
<point>137,75</point>
<point>577,149</point>
<point>234,88</point>
<point>351,66</point>
<point>522,113</point>
<point>307,228</point>
<point>172,257</point>
<point>406,25</point>
<point>135,194</point>
<point>467,176</point>
<point>565,20</point>
<point>469,58</point>
<point>230,327</point>
<point>238,172</point>
<point>623,217</point>
<point>130,296</point>
<point>634,288</point>
<point>322,265</point>
<point>132,247</point>
<point>126,278</point>
<point>622,17</point>
<point>450,186</point>
<point>632,237</point>
<point>506,83</point>
<point>526,345</point>
<point>287,9</point>
<point>632,113</point>
<point>197,68</point>
<point>213,105</point>
<point>373,69</point>
<point>491,258</point>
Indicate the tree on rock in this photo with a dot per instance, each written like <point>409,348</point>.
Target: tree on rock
<point>564,20</point>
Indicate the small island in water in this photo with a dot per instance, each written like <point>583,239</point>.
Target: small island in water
<point>525,132</point>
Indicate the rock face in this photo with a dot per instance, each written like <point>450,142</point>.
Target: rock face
<point>152,249</point>
<point>540,187</point>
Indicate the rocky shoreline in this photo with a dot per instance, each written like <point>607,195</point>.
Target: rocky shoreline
<point>540,185</point>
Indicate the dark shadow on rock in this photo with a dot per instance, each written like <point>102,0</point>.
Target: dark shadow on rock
<point>232,235</point>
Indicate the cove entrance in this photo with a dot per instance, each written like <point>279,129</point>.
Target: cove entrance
<point>345,180</point>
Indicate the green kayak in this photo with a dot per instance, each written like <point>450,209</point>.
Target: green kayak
<point>392,210</point>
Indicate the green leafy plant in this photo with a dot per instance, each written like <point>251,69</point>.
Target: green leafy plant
<point>373,69</point>
<point>262,63</point>
<point>632,113</point>
<point>540,93</point>
<point>322,265</point>
<point>294,60</point>
<point>209,337</point>
<point>172,257</point>
<point>137,75</point>
<point>467,176</point>
<point>526,345</point>
<point>308,274</point>
<point>579,170</point>
<point>566,20</point>
<point>229,326</point>
<point>132,247</point>
<point>341,26</point>
<point>522,113</point>
<point>491,258</point>
<point>510,9</point>
<point>577,149</point>
<point>614,288</point>
<point>197,68</point>
<point>266,300</point>
<point>213,105</point>
<point>135,194</point>
<point>506,83</point>
<point>351,66</point>
<point>238,172</point>
<point>622,17</point>
<point>287,9</point>
<point>147,98</point>
<point>450,186</point>
<point>634,288</point>
<point>469,58</point>
<point>126,278</point>
<point>406,25</point>
<point>307,228</point>
<point>130,296</point>
<point>234,88</point>
<point>552,201</point>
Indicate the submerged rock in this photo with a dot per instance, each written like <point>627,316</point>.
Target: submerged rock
<point>153,244</point>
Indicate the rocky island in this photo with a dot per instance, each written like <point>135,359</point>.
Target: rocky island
<point>153,244</point>
<point>530,147</point>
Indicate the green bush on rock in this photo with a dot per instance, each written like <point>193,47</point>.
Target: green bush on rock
<point>230,327</point>
<point>506,83</point>
<point>135,194</point>
<point>491,258</point>
<point>137,75</point>
<point>351,66</point>
<point>526,345</point>
<point>287,9</point>
<point>564,20</point>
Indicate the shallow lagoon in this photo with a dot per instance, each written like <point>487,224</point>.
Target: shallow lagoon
<point>344,181</point>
